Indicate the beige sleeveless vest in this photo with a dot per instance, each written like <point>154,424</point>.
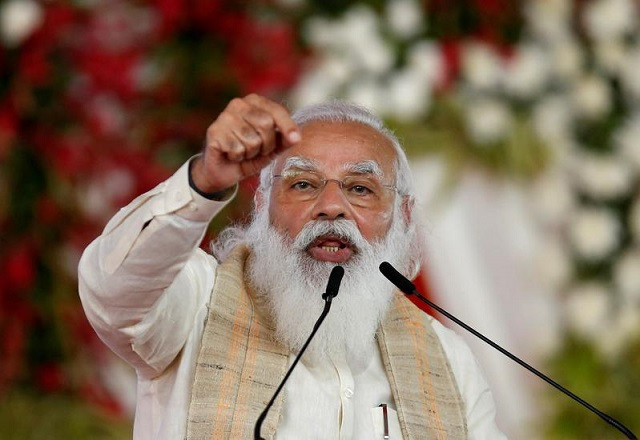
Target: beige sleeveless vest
<point>240,365</point>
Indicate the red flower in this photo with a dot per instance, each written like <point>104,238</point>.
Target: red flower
<point>34,65</point>
<point>50,378</point>
<point>206,13</point>
<point>69,153</point>
<point>264,57</point>
<point>20,271</point>
<point>8,130</point>
<point>451,54</point>
<point>47,210</point>
<point>96,394</point>
<point>11,350</point>
<point>173,13</point>
<point>112,72</point>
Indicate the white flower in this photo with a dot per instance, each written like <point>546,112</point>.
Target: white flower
<point>609,19</point>
<point>425,57</point>
<point>587,309</point>
<point>109,113</point>
<point>552,119</point>
<point>527,72</point>
<point>604,177</point>
<point>323,80</point>
<point>591,97</point>
<point>488,121</point>
<point>553,264</point>
<point>549,19</point>
<point>18,19</point>
<point>148,74</point>
<point>408,95</point>
<point>376,56</point>
<point>481,66</point>
<point>567,59</point>
<point>292,3</point>
<point>594,233</point>
<point>629,73</point>
<point>620,331</point>
<point>315,86</point>
<point>627,140</point>
<point>404,17</point>
<point>68,258</point>
<point>122,25</point>
<point>360,35</point>
<point>321,32</point>
<point>101,196</point>
<point>627,276</point>
<point>553,199</point>
<point>634,220</point>
<point>355,36</point>
<point>368,93</point>
<point>611,56</point>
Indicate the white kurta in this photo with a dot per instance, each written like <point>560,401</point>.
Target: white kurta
<point>146,290</point>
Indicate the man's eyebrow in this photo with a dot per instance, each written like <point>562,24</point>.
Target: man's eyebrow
<point>365,167</point>
<point>298,163</point>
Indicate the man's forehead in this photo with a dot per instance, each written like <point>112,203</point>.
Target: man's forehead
<point>334,146</point>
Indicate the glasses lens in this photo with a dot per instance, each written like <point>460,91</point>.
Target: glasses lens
<point>364,191</point>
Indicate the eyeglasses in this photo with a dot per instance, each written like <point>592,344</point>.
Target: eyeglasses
<point>364,191</point>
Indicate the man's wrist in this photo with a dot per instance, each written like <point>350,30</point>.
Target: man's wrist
<point>218,196</point>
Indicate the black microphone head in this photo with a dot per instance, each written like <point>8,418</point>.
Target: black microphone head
<point>400,281</point>
<point>335,278</point>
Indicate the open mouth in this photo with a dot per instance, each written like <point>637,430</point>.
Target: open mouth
<point>331,248</point>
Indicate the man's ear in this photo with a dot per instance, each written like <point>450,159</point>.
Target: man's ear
<point>408,203</point>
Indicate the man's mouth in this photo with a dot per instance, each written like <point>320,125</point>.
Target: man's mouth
<point>331,248</point>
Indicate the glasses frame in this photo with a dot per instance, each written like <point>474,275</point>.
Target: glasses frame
<point>340,183</point>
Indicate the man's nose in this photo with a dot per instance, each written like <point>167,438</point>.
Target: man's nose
<point>331,203</point>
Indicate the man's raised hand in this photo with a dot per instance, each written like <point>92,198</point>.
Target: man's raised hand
<point>245,137</point>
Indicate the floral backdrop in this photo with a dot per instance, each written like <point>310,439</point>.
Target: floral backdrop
<point>100,100</point>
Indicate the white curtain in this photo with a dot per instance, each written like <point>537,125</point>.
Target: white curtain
<point>480,247</point>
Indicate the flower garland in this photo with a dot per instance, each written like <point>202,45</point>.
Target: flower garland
<point>549,91</point>
<point>99,101</point>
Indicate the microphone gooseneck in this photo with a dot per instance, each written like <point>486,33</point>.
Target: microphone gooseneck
<point>335,278</point>
<point>407,287</point>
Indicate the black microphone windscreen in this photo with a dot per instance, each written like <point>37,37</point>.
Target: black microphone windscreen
<point>397,278</point>
<point>335,278</point>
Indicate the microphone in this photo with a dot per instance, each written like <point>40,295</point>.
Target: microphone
<point>406,286</point>
<point>335,278</point>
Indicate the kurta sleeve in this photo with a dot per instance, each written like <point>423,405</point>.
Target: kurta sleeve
<point>142,281</point>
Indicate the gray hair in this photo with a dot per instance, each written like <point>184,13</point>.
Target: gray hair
<point>343,111</point>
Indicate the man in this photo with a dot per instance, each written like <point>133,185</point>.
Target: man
<point>210,340</point>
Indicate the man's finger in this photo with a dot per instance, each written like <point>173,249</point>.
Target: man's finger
<point>264,125</point>
<point>254,166</point>
<point>250,139</point>
<point>281,118</point>
<point>233,148</point>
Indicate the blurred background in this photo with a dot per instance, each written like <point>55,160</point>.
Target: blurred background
<point>521,120</point>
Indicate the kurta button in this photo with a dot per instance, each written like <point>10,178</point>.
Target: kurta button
<point>348,393</point>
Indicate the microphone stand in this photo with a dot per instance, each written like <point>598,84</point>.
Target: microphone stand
<point>408,288</point>
<point>332,291</point>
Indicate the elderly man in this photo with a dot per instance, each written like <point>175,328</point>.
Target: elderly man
<point>211,338</point>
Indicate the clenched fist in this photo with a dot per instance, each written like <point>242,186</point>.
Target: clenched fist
<point>245,137</point>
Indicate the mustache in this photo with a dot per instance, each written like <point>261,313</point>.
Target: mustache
<point>341,228</point>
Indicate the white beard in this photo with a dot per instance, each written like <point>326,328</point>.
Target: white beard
<point>291,284</point>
